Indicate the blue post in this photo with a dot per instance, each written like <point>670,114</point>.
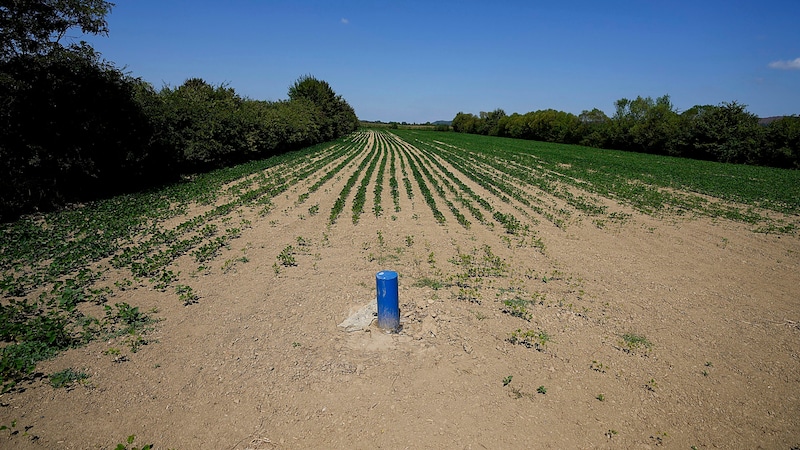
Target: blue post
<point>388,304</point>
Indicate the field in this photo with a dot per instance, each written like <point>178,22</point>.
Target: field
<point>551,296</point>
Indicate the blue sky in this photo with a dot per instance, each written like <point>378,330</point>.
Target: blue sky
<point>418,61</point>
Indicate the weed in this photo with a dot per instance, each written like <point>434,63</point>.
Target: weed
<point>428,282</point>
<point>66,378</point>
<point>531,339</point>
<point>296,344</point>
<point>633,342</point>
<point>507,380</point>
<point>517,392</point>
<point>620,217</point>
<point>381,241</point>
<point>6,427</point>
<point>313,210</point>
<point>286,257</point>
<point>230,263</point>
<point>136,340</point>
<point>611,433</point>
<point>469,294</point>
<point>598,367</point>
<point>517,307</point>
<point>601,397</point>
<point>479,315</point>
<point>409,241</point>
<point>651,385</point>
<point>541,390</point>
<point>129,441</point>
<point>128,319</point>
<point>659,438</point>
<point>186,294</point>
<point>123,284</point>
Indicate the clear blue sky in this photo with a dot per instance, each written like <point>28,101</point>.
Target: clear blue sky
<point>419,61</point>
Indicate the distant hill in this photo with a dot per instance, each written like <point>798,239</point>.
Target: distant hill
<point>768,120</point>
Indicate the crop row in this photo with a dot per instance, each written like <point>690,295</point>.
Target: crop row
<point>361,194</point>
<point>492,176</point>
<point>338,206</point>
<point>654,184</point>
<point>125,229</point>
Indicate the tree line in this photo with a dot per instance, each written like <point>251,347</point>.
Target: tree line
<point>726,132</point>
<point>74,127</point>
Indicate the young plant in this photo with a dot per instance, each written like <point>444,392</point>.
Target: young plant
<point>286,257</point>
<point>186,294</point>
<point>598,367</point>
<point>632,342</point>
<point>531,339</point>
<point>129,441</point>
<point>66,378</point>
<point>517,307</point>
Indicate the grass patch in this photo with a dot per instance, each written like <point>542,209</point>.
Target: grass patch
<point>632,342</point>
<point>429,283</point>
<point>67,378</point>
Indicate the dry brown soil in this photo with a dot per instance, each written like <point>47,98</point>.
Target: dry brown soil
<point>259,362</point>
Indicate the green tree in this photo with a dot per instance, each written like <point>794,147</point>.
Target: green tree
<point>725,133</point>
<point>594,129</point>
<point>336,117</point>
<point>204,122</point>
<point>465,123</point>
<point>656,127</point>
<point>275,127</point>
<point>644,125</point>
<point>70,128</point>
<point>488,123</point>
<point>782,144</point>
<point>30,27</point>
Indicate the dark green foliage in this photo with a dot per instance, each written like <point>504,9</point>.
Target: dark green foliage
<point>548,125</point>
<point>36,27</point>
<point>465,123</point>
<point>783,135</point>
<point>33,336</point>
<point>724,133</point>
<point>75,128</point>
<point>55,252</point>
<point>634,178</point>
<point>66,377</point>
<point>70,129</point>
<point>335,117</point>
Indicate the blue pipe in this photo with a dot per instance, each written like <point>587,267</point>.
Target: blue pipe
<point>388,303</point>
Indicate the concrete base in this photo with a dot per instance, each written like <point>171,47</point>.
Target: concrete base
<point>361,319</point>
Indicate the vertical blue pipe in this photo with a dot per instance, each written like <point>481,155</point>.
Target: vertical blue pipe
<point>388,304</point>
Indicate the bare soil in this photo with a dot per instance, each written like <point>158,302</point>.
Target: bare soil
<point>259,362</point>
